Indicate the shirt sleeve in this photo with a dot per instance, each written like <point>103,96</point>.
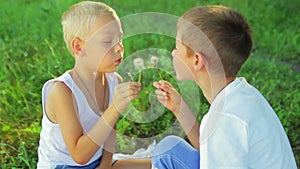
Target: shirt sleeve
<point>227,146</point>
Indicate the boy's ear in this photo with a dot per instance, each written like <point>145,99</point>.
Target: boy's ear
<point>199,61</point>
<point>77,46</point>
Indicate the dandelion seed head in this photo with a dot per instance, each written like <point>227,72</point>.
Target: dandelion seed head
<point>139,63</point>
<point>154,60</point>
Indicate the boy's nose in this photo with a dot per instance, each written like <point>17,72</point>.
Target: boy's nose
<point>174,52</point>
<point>119,47</point>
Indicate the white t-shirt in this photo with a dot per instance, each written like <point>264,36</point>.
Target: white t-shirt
<point>242,131</point>
<point>52,149</point>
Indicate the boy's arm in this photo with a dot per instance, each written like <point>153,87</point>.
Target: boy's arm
<point>109,146</point>
<point>108,150</point>
<point>106,160</point>
<point>189,124</point>
<point>82,146</point>
<point>171,99</point>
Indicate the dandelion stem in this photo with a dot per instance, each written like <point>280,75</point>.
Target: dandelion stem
<point>140,76</point>
<point>157,70</point>
<point>130,76</point>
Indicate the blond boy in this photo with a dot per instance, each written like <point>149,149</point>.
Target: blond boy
<point>81,107</point>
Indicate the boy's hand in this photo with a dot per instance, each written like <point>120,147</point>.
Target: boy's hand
<point>124,93</point>
<point>168,96</point>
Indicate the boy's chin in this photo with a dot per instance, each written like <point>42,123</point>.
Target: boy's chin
<point>110,70</point>
<point>179,78</point>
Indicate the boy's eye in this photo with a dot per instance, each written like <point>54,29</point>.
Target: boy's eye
<point>112,40</point>
<point>107,41</point>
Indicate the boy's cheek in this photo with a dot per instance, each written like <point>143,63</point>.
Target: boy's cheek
<point>176,63</point>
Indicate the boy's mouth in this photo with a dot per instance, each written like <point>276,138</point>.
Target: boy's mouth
<point>118,61</point>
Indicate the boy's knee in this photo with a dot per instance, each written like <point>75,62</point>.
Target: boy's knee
<point>167,144</point>
<point>171,140</point>
<point>175,151</point>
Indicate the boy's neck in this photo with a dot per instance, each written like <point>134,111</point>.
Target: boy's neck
<point>89,77</point>
<point>211,87</point>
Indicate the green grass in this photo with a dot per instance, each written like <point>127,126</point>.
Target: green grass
<point>32,51</point>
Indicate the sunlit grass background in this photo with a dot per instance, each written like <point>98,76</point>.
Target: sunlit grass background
<point>32,51</point>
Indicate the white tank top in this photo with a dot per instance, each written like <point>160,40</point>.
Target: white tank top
<point>52,149</point>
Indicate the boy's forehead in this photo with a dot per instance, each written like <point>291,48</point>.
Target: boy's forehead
<point>178,35</point>
<point>106,25</point>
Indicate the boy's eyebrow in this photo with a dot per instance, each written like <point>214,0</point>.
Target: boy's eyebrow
<point>111,33</point>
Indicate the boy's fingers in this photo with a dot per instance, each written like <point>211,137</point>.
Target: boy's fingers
<point>160,92</point>
<point>156,84</point>
<point>126,93</point>
<point>133,92</point>
<point>165,83</point>
<point>135,88</point>
<point>161,85</point>
<point>135,84</point>
<point>165,87</point>
<point>129,86</point>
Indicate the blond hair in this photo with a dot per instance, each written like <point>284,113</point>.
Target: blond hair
<point>227,31</point>
<point>77,21</point>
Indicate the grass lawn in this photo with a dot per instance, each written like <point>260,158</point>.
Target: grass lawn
<point>32,51</point>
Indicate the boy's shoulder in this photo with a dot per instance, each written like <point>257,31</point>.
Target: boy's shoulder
<point>58,84</point>
<point>60,88</point>
<point>244,101</point>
